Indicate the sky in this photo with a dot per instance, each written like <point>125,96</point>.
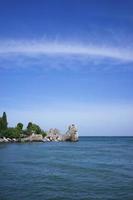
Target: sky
<point>68,61</point>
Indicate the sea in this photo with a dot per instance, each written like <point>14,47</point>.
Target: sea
<point>95,168</point>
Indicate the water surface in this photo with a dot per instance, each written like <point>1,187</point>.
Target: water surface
<point>95,168</point>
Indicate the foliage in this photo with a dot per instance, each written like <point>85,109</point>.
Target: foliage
<point>11,133</point>
<point>44,134</point>
<point>19,126</point>
<point>29,127</point>
<point>3,122</point>
<point>18,131</point>
<point>4,118</point>
<point>33,128</point>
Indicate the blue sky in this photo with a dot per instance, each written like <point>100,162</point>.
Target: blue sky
<point>64,62</point>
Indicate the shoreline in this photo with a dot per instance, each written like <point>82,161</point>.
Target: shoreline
<point>53,135</point>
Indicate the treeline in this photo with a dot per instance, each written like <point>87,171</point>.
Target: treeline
<point>18,131</point>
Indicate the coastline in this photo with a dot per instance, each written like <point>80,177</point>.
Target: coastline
<point>52,135</point>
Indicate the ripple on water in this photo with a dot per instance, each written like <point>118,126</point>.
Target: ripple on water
<point>93,168</point>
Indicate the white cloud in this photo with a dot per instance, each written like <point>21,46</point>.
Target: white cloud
<point>36,48</point>
<point>74,56</point>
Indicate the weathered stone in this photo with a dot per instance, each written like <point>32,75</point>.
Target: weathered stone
<point>5,139</point>
<point>1,140</point>
<point>33,138</point>
<point>25,139</point>
<point>55,135</point>
<point>9,139</point>
<point>71,134</point>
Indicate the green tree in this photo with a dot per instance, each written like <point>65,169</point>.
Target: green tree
<point>29,127</point>
<point>44,133</point>
<point>0,124</point>
<point>33,128</point>
<point>4,121</point>
<point>1,127</point>
<point>11,133</point>
<point>20,126</point>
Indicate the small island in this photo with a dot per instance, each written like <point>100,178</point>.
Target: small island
<point>33,133</point>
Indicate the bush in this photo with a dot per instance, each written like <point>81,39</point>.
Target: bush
<point>19,126</point>
<point>11,133</point>
<point>33,128</point>
<point>44,134</point>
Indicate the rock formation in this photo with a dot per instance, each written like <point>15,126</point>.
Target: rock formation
<point>33,138</point>
<point>5,140</point>
<point>71,134</point>
<point>53,135</point>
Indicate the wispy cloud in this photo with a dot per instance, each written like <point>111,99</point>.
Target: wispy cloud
<point>38,52</point>
<point>34,48</point>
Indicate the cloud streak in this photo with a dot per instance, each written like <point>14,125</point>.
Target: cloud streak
<point>74,56</point>
<point>40,48</point>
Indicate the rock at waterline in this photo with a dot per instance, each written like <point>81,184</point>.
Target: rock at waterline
<point>55,135</point>
<point>33,138</point>
<point>71,134</point>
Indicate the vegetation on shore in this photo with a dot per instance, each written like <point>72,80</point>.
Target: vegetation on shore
<point>18,131</point>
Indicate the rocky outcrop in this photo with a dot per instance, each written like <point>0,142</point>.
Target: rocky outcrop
<point>33,138</point>
<point>1,140</point>
<point>36,137</point>
<point>55,135</point>
<point>5,140</point>
<point>71,134</point>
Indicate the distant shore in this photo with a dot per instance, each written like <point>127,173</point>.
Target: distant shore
<point>33,133</point>
<point>51,135</point>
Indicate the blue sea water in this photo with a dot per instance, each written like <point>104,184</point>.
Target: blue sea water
<point>95,168</point>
